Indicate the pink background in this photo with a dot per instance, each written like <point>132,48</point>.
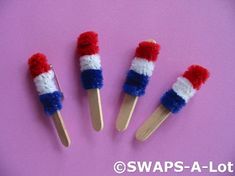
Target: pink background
<point>188,31</point>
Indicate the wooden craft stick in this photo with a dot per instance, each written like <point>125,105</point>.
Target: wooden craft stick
<point>151,40</point>
<point>56,80</point>
<point>60,128</point>
<point>126,111</point>
<point>95,109</point>
<point>152,123</point>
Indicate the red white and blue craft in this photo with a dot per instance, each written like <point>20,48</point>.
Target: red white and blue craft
<point>91,74</point>
<point>137,79</point>
<point>141,68</point>
<point>174,99</point>
<point>44,80</point>
<point>88,50</point>
<point>49,94</point>
<point>184,88</point>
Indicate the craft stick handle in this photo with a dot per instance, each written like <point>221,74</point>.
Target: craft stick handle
<point>95,109</point>
<point>126,111</point>
<point>151,40</point>
<point>152,123</point>
<point>60,128</point>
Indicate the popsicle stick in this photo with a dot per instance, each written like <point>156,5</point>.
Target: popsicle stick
<point>57,81</point>
<point>151,40</point>
<point>60,128</point>
<point>95,109</point>
<point>152,123</point>
<point>126,111</point>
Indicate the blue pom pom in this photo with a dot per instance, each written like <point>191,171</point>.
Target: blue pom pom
<point>51,102</point>
<point>172,101</point>
<point>92,79</point>
<point>135,83</point>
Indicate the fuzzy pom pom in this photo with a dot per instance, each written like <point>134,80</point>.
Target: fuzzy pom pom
<point>51,102</point>
<point>87,43</point>
<point>172,101</point>
<point>142,66</point>
<point>197,75</point>
<point>45,83</point>
<point>38,64</point>
<point>147,50</point>
<point>92,79</point>
<point>90,62</point>
<point>135,84</point>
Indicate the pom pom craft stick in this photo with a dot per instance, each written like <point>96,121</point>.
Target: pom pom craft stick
<point>174,99</point>
<point>91,75</point>
<point>49,92</point>
<point>137,80</point>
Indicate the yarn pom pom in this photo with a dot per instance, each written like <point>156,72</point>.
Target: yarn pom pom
<point>135,83</point>
<point>87,43</point>
<point>197,75</point>
<point>147,50</point>
<point>92,79</point>
<point>38,64</point>
<point>51,102</point>
<point>172,101</point>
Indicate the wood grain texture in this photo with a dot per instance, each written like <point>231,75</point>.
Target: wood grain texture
<point>126,111</point>
<point>152,123</point>
<point>60,128</point>
<point>151,40</point>
<point>95,109</point>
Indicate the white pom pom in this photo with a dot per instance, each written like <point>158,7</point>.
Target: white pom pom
<point>88,62</point>
<point>45,83</point>
<point>142,66</point>
<point>184,88</point>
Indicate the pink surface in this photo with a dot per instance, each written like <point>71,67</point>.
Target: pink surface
<point>189,32</point>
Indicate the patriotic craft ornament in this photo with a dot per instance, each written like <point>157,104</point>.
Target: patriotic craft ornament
<point>141,70</point>
<point>49,94</point>
<point>174,99</point>
<point>91,74</point>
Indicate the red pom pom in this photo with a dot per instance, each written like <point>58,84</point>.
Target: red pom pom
<point>87,43</point>
<point>38,64</point>
<point>197,75</point>
<point>147,50</point>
